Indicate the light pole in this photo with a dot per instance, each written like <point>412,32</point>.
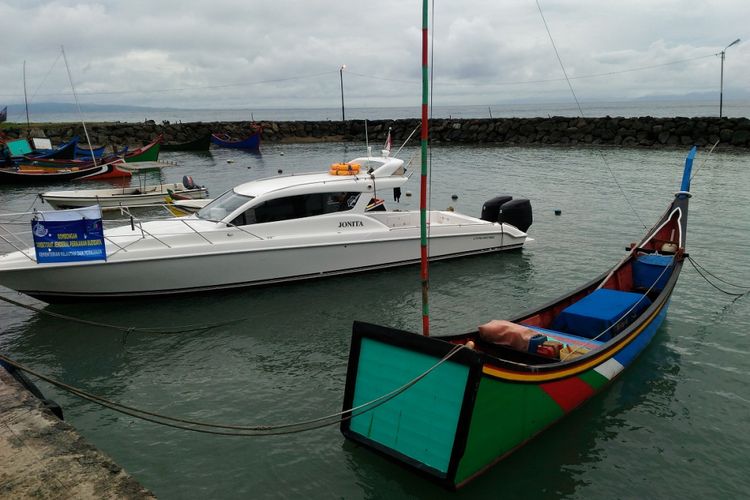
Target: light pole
<point>341,77</point>
<point>721,89</point>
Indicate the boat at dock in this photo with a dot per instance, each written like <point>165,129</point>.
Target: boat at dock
<point>40,174</point>
<point>202,143</point>
<point>227,141</point>
<point>130,197</point>
<point>450,407</point>
<point>273,230</point>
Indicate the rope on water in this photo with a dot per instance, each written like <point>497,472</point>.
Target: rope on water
<point>125,329</point>
<point>702,271</point>
<point>233,430</point>
<point>705,160</point>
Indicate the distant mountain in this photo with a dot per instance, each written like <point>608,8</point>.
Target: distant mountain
<point>64,107</point>
<point>733,94</point>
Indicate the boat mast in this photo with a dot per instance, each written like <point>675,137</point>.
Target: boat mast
<point>423,181</point>
<point>26,100</point>
<point>75,96</point>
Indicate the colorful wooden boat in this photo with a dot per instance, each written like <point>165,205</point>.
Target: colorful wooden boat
<point>481,400</point>
<point>83,153</point>
<point>34,174</point>
<point>200,144</point>
<point>64,151</point>
<point>149,152</point>
<point>226,141</point>
<point>78,162</point>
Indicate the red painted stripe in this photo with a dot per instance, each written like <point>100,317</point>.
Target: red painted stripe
<point>568,392</point>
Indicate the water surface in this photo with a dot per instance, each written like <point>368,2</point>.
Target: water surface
<point>675,424</point>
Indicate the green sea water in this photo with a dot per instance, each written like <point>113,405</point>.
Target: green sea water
<point>673,425</point>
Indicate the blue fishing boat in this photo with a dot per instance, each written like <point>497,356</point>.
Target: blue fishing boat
<point>226,141</point>
<point>89,153</point>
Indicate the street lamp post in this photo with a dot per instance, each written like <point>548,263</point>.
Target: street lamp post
<point>341,77</point>
<point>721,89</point>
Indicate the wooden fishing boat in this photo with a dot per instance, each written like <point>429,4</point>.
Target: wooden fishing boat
<point>132,196</point>
<point>200,144</point>
<point>488,392</point>
<point>149,152</point>
<point>77,162</point>
<point>226,141</point>
<point>83,153</point>
<point>34,174</point>
<point>180,206</point>
<point>64,151</point>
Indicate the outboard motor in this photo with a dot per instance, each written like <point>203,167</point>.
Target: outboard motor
<point>491,208</point>
<point>516,213</point>
<point>187,181</point>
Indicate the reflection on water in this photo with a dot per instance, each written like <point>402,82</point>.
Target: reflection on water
<point>660,430</point>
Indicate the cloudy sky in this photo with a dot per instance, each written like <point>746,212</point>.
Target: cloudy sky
<point>287,53</point>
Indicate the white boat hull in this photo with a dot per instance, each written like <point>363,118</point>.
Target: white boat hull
<point>111,199</point>
<point>238,259</point>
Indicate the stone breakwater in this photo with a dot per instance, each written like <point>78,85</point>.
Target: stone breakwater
<point>563,131</point>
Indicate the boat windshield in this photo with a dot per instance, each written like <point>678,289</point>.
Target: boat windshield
<point>223,206</point>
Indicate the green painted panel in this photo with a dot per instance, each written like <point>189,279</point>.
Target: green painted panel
<point>505,415</point>
<point>421,422</point>
<point>18,147</point>
<point>595,379</point>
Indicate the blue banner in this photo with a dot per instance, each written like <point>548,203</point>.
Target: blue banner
<point>69,235</point>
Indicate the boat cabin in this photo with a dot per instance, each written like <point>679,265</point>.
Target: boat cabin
<point>307,195</point>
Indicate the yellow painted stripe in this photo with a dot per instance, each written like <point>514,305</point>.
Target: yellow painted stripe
<point>543,377</point>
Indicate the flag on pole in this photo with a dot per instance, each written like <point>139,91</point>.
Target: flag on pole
<point>388,143</point>
<point>4,114</point>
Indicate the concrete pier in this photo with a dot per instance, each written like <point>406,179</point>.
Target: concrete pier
<point>43,457</point>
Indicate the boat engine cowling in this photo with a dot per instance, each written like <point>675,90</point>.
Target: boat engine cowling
<point>516,213</point>
<point>491,208</point>
<point>187,181</point>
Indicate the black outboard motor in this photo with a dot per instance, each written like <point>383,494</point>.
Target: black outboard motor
<point>491,208</point>
<point>187,181</point>
<point>516,213</point>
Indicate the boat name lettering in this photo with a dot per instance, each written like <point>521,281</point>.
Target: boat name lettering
<point>351,223</point>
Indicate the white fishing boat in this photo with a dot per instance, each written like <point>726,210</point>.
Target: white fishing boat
<point>116,198</point>
<point>272,230</point>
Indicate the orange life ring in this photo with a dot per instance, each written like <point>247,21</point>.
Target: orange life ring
<point>349,168</point>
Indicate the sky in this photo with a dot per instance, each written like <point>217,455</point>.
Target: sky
<point>231,54</point>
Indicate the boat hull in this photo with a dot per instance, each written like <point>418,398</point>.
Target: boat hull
<point>235,259</point>
<point>252,142</point>
<point>115,198</point>
<point>466,414</point>
<point>199,144</point>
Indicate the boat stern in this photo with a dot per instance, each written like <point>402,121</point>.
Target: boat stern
<point>412,397</point>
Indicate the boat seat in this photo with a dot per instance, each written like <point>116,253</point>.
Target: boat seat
<point>648,271</point>
<point>600,310</point>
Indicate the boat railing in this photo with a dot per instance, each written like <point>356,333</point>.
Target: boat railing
<point>139,221</point>
<point>20,237</point>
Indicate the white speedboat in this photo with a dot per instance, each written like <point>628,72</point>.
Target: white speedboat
<point>130,197</point>
<point>272,230</point>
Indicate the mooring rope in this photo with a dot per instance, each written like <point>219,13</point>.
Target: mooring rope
<point>580,110</point>
<point>701,270</point>
<point>233,430</point>
<point>124,329</point>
